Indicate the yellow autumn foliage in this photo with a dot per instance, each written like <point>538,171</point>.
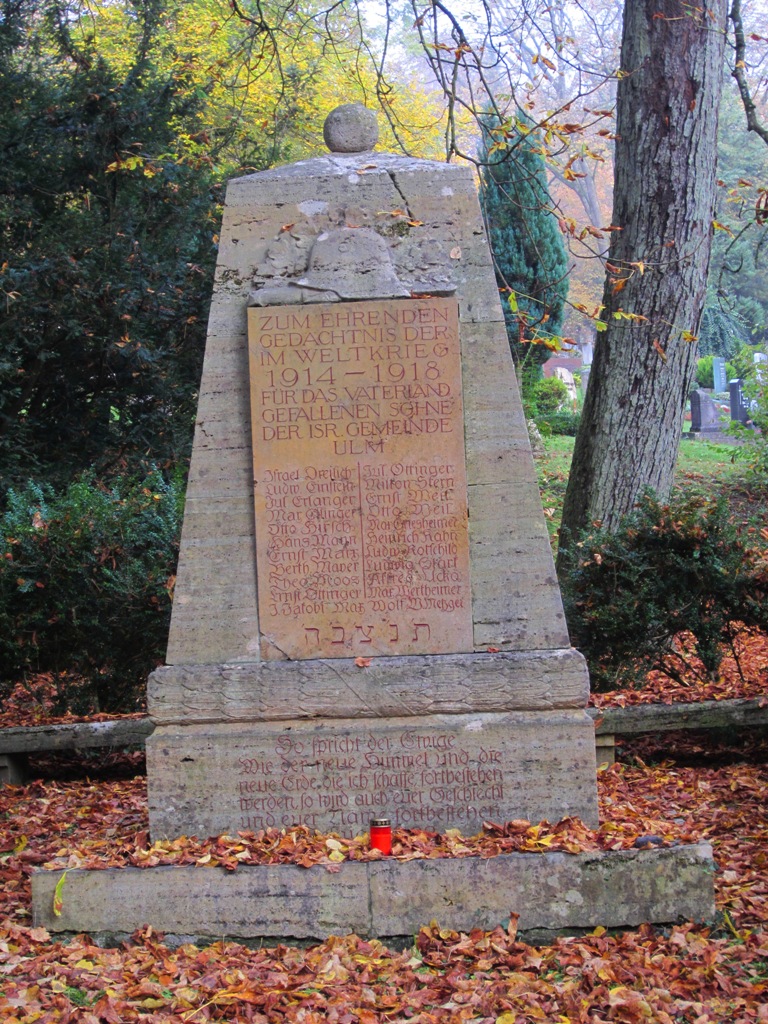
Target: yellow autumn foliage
<point>266,93</point>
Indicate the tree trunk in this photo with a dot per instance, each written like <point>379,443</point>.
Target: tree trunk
<point>667,105</point>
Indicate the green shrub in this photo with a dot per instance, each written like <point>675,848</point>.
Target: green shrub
<point>529,375</point>
<point>86,578</point>
<point>530,409</point>
<point>754,449</point>
<point>551,395</point>
<point>562,423</point>
<point>668,569</point>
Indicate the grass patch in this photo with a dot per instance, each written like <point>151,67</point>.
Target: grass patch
<point>700,465</point>
<point>702,469</point>
<point>552,469</point>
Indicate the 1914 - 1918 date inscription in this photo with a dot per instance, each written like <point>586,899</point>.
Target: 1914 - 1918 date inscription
<point>360,479</point>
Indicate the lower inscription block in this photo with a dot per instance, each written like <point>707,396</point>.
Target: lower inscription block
<point>434,772</point>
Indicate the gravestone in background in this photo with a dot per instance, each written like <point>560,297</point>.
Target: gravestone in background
<point>366,620</point>
<point>739,408</point>
<point>719,374</point>
<point>705,416</point>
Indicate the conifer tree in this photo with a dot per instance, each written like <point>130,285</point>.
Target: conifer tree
<point>107,224</point>
<point>529,255</point>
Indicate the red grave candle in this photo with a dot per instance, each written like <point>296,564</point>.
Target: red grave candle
<point>381,835</point>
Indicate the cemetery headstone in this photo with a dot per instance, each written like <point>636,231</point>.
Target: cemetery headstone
<point>705,416</point>
<point>739,407</point>
<point>565,375</point>
<point>760,360</point>
<point>367,620</point>
<point>719,374</point>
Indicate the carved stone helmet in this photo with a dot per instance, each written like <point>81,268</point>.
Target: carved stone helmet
<point>355,263</point>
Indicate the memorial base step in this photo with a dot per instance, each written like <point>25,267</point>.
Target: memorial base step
<point>386,899</point>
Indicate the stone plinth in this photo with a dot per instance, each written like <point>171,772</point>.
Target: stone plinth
<point>385,899</point>
<point>432,741</point>
<point>434,772</point>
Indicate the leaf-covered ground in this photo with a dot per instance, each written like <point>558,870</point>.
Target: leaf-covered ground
<point>677,789</point>
<point>691,974</point>
<point>37,699</point>
<point>742,673</point>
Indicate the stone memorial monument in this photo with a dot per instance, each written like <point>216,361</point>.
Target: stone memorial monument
<point>367,620</point>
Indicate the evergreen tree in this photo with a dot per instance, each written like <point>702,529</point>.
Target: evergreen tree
<point>107,230</point>
<point>721,332</point>
<point>736,310</point>
<point>528,251</point>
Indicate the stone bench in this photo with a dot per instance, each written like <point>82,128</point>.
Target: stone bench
<point>16,744</point>
<point>643,718</point>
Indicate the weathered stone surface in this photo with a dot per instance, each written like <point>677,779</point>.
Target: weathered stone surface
<point>537,441</point>
<point>351,128</point>
<point>122,732</point>
<point>705,415</point>
<point>618,889</point>
<point>706,714</point>
<point>387,898</point>
<point>498,448</point>
<point>293,902</point>
<point>441,771</point>
<point>388,687</point>
<point>17,742</point>
<point>517,603</point>
<point>347,263</point>
<point>13,769</point>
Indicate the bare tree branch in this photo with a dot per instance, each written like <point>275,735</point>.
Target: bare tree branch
<point>740,73</point>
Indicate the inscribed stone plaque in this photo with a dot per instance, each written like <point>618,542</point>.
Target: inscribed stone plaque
<point>360,480</point>
<point>439,771</point>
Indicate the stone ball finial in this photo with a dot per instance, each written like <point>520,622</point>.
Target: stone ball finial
<point>351,128</point>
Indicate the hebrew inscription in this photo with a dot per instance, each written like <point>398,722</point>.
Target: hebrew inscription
<point>360,479</point>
